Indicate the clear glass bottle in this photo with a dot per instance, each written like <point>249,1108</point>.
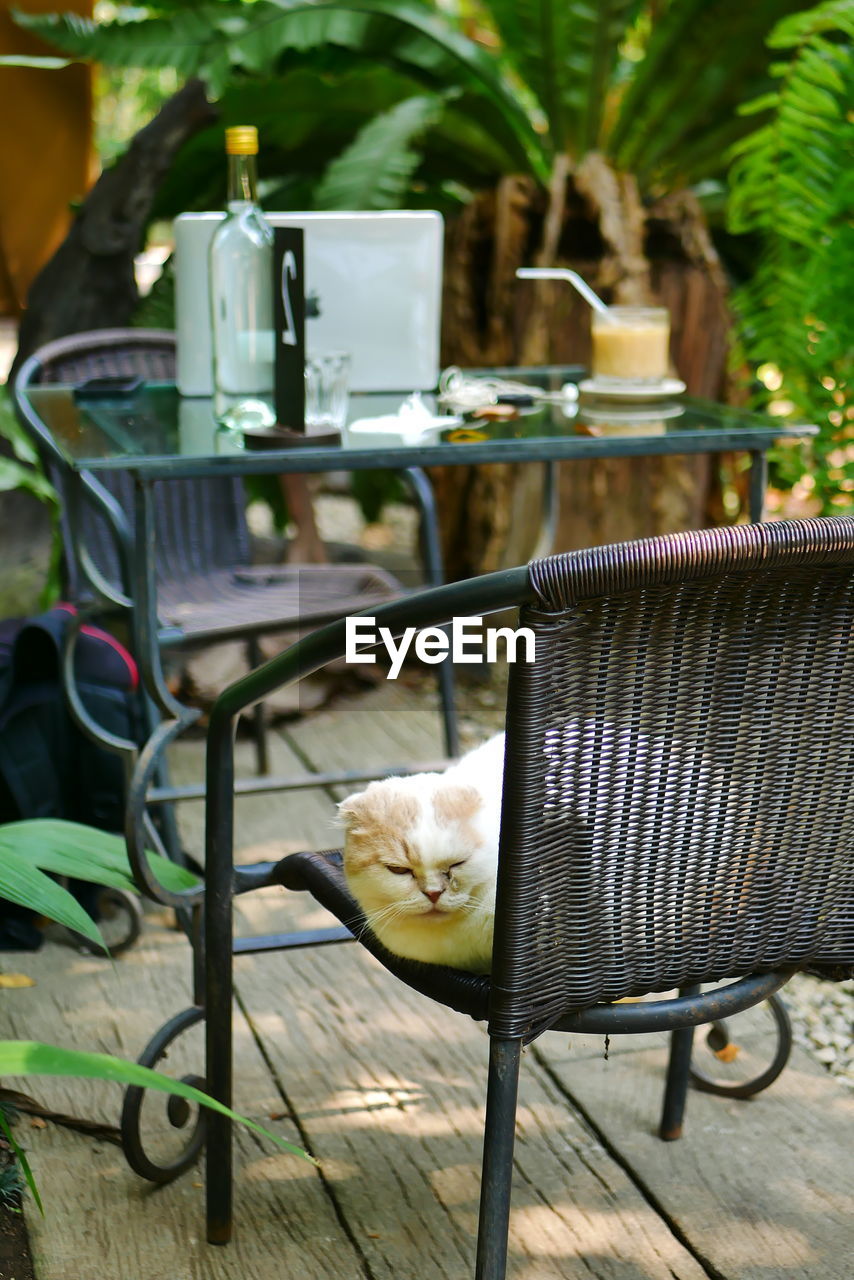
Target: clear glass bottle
<point>241,289</point>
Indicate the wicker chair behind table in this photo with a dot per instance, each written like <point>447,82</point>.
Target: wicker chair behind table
<point>678,806</point>
<point>208,590</point>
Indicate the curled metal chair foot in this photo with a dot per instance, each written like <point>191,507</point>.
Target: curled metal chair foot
<point>726,1049</point>
<point>179,1112</point>
<point>119,919</point>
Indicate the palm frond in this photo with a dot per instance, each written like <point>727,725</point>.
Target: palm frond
<point>407,36</point>
<point>686,82</point>
<point>565,51</point>
<point>190,40</point>
<point>218,38</point>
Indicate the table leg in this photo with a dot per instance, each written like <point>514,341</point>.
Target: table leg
<point>551,512</point>
<point>758,485</point>
<point>434,571</point>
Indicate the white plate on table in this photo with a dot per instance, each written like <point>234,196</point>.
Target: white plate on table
<point>605,390</point>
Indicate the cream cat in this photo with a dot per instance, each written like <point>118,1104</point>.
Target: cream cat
<point>421,853</point>
<point>420,857</point>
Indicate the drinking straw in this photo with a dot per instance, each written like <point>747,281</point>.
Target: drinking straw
<point>563,273</point>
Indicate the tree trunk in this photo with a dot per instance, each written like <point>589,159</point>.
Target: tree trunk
<point>594,221</point>
<point>89,282</point>
<point>45,150</point>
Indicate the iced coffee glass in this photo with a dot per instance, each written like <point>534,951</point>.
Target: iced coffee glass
<point>630,345</point>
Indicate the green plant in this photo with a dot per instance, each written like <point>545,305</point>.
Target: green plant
<point>12,1180</point>
<point>792,183</point>
<point>23,471</point>
<point>29,850</point>
<point>630,79</point>
<point>556,130</point>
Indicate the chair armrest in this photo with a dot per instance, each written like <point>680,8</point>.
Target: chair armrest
<point>424,608</point>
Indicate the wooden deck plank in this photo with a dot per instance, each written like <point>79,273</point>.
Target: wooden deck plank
<point>777,1205</point>
<point>389,728</point>
<point>390,1089</point>
<point>762,1188</point>
<point>266,826</point>
<point>99,1215</point>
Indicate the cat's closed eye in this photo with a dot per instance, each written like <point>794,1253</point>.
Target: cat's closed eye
<point>455,866</point>
<point>398,871</point>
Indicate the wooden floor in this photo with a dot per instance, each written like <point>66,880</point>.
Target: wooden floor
<point>387,1091</point>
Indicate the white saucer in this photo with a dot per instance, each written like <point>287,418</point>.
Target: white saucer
<point>632,390</point>
<point>630,413</point>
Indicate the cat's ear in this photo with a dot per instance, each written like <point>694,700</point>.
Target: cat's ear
<point>456,803</point>
<point>352,811</point>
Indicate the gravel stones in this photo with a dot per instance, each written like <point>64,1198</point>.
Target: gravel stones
<point>822,1016</point>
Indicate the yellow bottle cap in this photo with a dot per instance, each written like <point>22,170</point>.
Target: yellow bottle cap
<point>241,140</point>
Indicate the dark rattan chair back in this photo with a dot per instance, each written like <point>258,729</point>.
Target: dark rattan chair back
<point>679,794</point>
<point>201,523</point>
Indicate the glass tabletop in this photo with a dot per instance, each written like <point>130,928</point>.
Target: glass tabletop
<point>156,431</point>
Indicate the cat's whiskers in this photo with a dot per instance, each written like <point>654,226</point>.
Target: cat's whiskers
<point>370,919</point>
<point>384,915</point>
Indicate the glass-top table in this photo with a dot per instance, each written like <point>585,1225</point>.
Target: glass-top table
<point>156,433</point>
<point>153,434</point>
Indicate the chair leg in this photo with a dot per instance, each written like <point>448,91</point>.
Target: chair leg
<point>498,1141</point>
<point>676,1086</point>
<point>259,719</point>
<point>217,929</point>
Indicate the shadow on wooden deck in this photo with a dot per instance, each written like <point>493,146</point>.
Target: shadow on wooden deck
<point>387,1091</point>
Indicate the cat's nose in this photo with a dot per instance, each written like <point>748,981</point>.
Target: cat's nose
<point>433,894</point>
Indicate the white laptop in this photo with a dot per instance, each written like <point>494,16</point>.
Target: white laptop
<point>373,284</point>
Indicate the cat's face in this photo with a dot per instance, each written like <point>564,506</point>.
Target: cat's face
<point>418,860</point>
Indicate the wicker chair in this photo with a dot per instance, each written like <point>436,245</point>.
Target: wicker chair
<point>207,589</point>
<point>678,810</point>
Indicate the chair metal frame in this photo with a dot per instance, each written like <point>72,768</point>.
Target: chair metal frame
<point>563,592</point>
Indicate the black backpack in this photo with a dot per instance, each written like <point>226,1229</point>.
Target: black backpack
<point>48,767</point>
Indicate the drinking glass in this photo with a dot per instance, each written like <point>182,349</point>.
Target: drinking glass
<point>327,387</point>
<point>630,344</point>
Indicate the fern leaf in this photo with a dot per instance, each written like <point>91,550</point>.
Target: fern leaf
<point>791,182</point>
<point>375,170</point>
<point>797,30</point>
<point>189,41</point>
